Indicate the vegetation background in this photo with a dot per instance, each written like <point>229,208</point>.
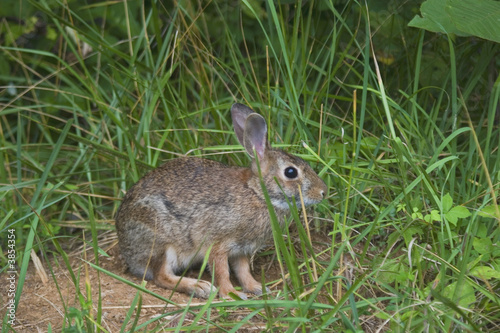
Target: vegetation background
<point>401,122</point>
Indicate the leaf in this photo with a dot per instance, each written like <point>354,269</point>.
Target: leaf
<point>433,216</point>
<point>389,272</point>
<point>460,17</point>
<point>488,211</point>
<point>483,245</point>
<point>416,214</point>
<point>447,202</point>
<point>456,213</point>
<point>410,232</point>
<point>476,17</point>
<point>465,293</point>
<point>435,18</point>
<point>485,272</point>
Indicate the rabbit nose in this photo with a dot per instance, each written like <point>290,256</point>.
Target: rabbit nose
<point>322,193</point>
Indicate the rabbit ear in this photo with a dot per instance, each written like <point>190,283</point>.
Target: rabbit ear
<point>255,136</point>
<point>240,113</point>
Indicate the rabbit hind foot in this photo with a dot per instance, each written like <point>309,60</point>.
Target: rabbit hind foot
<point>165,277</point>
<point>197,288</point>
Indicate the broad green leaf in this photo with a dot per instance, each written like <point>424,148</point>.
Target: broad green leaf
<point>479,18</point>
<point>435,18</point>
<point>410,232</point>
<point>433,216</point>
<point>485,272</point>
<point>447,202</point>
<point>483,245</point>
<point>456,213</point>
<point>488,211</point>
<point>389,272</point>
<point>465,293</point>
<point>416,214</point>
<point>460,17</point>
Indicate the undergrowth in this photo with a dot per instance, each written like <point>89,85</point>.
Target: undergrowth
<point>401,124</point>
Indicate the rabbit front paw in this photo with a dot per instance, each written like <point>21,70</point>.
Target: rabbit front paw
<point>225,295</point>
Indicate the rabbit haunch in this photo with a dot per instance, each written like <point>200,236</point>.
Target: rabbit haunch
<point>174,215</point>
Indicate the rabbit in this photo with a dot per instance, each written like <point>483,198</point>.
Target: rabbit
<point>189,206</point>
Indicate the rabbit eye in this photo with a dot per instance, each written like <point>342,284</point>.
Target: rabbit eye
<point>291,172</point>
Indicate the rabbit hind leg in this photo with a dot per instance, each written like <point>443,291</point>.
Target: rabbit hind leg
<point>164,276</point>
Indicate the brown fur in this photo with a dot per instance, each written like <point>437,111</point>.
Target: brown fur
<point>174,215</point>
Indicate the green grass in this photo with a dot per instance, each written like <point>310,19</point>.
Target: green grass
<point>400,123</point>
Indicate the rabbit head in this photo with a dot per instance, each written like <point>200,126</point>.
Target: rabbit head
<point>283,174</point>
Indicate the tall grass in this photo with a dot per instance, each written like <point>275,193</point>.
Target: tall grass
<point>400,125</point>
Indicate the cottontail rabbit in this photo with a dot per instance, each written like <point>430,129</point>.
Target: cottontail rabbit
<point>178,212</point>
